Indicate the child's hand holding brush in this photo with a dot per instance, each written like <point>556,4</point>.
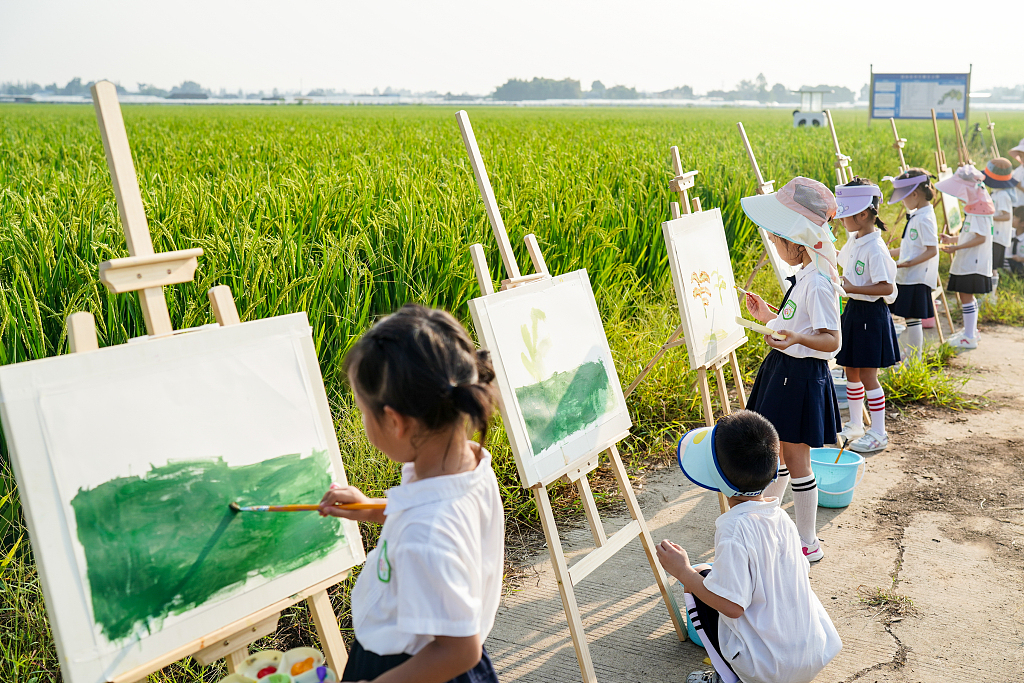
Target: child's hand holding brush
<point>346,495</point>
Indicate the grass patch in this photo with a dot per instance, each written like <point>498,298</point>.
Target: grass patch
<point>926,379</point>
<point>1007,306</point>
<point>894,606</point>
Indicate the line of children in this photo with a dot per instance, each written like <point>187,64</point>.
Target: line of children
<point>428,594</point>
<point>1016,258</point>
<point>869,337</point>
<point>970,272</point>
<point>794,388</point>
<point>917,257</point>
<point>999,176</point>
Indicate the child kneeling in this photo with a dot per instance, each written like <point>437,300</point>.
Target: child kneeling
<point>756,614</point>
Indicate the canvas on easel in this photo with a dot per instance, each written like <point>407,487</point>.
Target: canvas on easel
<point>127,458</point>
<point>560,400</point>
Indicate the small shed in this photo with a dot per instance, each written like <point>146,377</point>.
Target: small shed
<point>811,108</point>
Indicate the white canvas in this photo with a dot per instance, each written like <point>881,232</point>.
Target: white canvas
<point>129,419</point>
<point>560,395</point>
<point>703,280</point>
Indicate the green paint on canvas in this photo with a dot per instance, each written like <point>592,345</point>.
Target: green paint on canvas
<point>166,542</point>
<point>565,403</point>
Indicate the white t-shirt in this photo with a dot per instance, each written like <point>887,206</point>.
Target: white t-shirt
<point>866,261</point>
<point>1002,231</point>
<point>784,633</point>
<point>922,232</point>
<point>974,260</point>
<point>813,305</point>
<point>437,567</point>
<point>1018,175</point>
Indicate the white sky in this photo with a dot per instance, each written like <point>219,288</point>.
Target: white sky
<point>474,45</point>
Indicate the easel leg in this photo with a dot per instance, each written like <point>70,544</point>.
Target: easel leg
<point>741,392</point>
<point>234,660</point>
<point>647,368</point>
<point>949,316</point>
<point>753,273</point>
<point>326,622</point>
<point>590,508</point>
<point>645,539</point>
<point>709,420</point>
<point>572,611</point>
<point>723,392</point>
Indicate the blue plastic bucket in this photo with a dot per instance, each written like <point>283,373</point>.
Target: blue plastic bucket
<point>836,480</point>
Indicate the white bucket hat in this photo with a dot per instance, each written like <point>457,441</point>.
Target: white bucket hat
<point>852,199</point>
<point>699,462</point>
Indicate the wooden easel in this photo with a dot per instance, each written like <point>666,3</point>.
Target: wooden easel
<point>992,132</point>
<point>147,273</point>
<point>844,172</point>
<point>575,472</point>
<point>962,152</point>
<point>681,184</point>
<point>898,144</point>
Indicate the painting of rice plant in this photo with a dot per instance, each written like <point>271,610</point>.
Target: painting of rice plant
<point>560,395</point>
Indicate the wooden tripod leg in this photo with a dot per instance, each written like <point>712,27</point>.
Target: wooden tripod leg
<point>741,392</point>
<point>709,420</point>
<point>671,341</point>
<point>760,263</point>
<point>648,543</point>
<point>949,317</point>
<point>558,565</point>
<point>590,508</point>
<point>234,660</point>
<point>326,622</point>
<point>723,393</point>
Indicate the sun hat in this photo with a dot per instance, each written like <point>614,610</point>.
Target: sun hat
<point>999,173</point>
<point>903,185</point>
<point>698,460</point>
<point>800,213</point>
<point>967,185</point>
<point>1019,147</point>
<point>852,199</point>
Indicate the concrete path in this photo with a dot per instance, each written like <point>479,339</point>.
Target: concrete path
<point>962,570</point>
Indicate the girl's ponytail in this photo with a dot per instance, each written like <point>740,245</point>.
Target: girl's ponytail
<point>422,363</point>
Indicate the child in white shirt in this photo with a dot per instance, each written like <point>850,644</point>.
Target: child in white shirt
<point>755,611</point>
<point>869,338</point>
<point>917,257</point>
<point>1017,254</point>
<point>999,177</point>
<point>970,273</point>
<point>428,594</point>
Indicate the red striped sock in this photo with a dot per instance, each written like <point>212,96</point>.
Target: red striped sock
<point>854,396</point>
<point>876,404</point>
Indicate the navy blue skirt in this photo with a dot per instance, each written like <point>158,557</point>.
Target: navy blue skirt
<point>869,338</point>
<point>913,301</point>
<point>798,397</point>
<point>969,284</point>
<point>364,665</point>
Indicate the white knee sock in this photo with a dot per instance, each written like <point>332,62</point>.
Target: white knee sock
<point>970,311</point>
<point>777,488</point>
<point>805,500</point>
<point>876,404</point>
<point>914,336</point>
<point>855,398</point>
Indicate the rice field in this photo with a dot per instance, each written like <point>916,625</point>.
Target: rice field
<point>347,213</point>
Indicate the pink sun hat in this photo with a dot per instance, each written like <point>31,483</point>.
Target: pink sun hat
<point>968,185</point>
<point>800,213</point>
<point>852,199</point>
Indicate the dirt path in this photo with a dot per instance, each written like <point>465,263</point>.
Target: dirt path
<point>938,518</point>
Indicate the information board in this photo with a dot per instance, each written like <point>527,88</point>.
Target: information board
<point>913,96</point>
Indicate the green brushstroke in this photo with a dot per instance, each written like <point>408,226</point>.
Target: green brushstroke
<point>565,403</point>
<point>166,542</point>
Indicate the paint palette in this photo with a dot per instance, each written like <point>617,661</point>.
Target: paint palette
<point>299,665</point>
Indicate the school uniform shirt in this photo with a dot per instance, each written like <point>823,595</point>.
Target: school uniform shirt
<point>974,260</point>
<point>784,633</point>
<point>866,261</point>
<point>1018,175</point>
<point>437,567</point>
<point>813,304</point>
<point>922,231</point>
<point>1002,231</point>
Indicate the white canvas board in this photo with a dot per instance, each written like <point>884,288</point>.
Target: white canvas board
<point>704,284</point>
<point>559,392</point>
<point>781,269</point>
<point>151,439</point>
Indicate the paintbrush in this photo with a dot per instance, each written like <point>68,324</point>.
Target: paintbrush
<point>235,507</point>
<point>845,444</point>
<point>751,293</point>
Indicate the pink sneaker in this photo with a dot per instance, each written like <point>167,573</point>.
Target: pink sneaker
<point>813,552</point>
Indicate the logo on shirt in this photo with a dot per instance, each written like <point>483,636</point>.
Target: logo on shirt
<point>789,310</point>
<point>913,233</point>
<point>859,268</point>
<point>383,564</point>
